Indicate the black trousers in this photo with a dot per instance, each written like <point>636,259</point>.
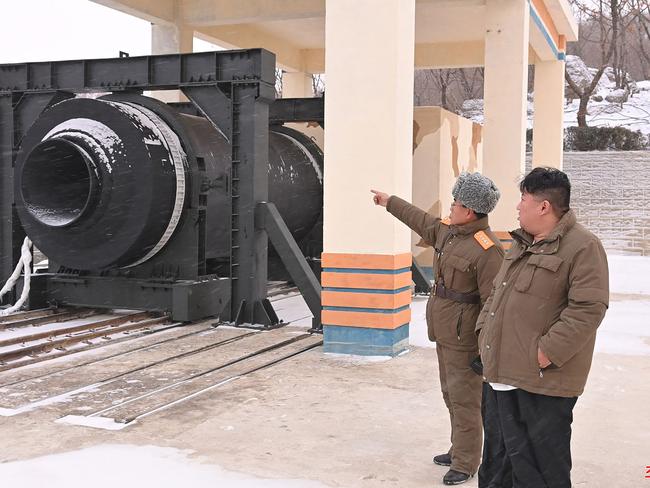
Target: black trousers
<point>527,440</point>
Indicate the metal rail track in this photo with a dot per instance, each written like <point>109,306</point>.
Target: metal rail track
<point>40,343</point>
<point>157,400</point>
<point>48,318</point>
<point>106,358</point>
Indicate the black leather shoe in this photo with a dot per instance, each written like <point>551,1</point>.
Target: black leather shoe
<point>442,459</point>
<point>454,477</point>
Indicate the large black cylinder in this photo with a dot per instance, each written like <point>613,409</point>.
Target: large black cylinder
<point>103,184</point>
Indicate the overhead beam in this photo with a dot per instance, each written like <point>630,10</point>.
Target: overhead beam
<point>288,55</point>
<point>450,55</point>
<point>560,11</point>
<point>443,55</point>
<point>154,11</point>
<point>453,3</point>
<point>225,12</point>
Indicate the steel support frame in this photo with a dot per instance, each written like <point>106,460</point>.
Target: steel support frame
<point>269,218</point>
<point>233,89</point>
<point>422,283</point>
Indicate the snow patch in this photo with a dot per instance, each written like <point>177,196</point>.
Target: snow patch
<point>94,134</point>
<point>138,466</point>
<point>95,422</point>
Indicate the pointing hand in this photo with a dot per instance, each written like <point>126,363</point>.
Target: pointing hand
<point>380,198</point>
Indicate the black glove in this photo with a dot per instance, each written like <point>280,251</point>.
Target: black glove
<point>477,365</point>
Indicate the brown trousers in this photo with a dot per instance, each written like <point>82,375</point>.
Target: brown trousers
<point>461,390</point>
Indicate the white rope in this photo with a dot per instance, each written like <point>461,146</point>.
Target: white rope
<point>24,263</point>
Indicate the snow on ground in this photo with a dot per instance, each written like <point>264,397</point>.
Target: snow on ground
<point>626,327</point>
<point>629,274</point>
<point>139,466</point>
<point>633,114</point>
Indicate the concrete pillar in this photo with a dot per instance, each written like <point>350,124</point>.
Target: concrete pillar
<point>171,39</point>
<point>548,123</point>
<point>505,91</point>
<point>369,120</point>
<point>297,85</point>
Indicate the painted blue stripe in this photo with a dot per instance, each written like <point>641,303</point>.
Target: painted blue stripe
<point>367,290</point>
<point>369,310</point>
<point>365,341</point>
<point>366,271</point>
<point>542,27</point>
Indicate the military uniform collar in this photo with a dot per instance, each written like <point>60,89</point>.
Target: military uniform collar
<point>552,242</point>
<point>470,228</point>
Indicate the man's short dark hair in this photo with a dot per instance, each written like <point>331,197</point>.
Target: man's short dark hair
<point>549,184</point>
<point>480,215</point>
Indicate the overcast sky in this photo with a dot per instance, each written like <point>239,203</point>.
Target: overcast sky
<point>51,30</point>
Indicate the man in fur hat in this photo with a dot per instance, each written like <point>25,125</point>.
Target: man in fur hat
<point>466,259</point>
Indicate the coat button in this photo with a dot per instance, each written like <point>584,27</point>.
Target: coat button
<point>491,314</point>
<point>487,346</point>
<point>484,378</point>
<point>504,283</point>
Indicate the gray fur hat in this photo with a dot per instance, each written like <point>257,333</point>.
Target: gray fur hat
<point>476,192</point>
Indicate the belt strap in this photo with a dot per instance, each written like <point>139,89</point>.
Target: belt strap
<point>441,291</point>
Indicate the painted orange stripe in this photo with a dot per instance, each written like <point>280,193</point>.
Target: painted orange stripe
<point>360,280</point>
<point>545,15</point>
<point>562,45</point>
<point>365,300</point>
<point>366,319</point>
<point>366,261</point>
<point>505,238</point>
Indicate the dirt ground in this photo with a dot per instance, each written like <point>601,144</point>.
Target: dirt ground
<point>353,423</point>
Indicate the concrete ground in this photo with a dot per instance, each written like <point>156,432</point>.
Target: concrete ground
<point>348,422</point>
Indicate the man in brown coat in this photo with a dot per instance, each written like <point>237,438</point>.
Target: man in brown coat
<point>466,258</point>
<point>536,337</point>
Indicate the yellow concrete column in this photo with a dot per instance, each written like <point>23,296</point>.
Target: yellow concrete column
<point>369,141</point>
<point>171,39</point>
<point>505,90</point>
<point>297,85</point>
<point>548,123</point>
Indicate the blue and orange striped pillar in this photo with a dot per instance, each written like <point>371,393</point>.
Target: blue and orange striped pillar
<point>366,303</point>
<point>366,251</point>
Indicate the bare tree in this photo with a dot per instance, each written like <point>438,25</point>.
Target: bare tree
<point>318,84</point>
<point>471,82</point>
<point>641,12</point>
<point>278,82</point>
<point>606,14</point>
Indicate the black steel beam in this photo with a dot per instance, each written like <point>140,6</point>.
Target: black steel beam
<point>249,178</point>
<point>161,72</point>
<point>185,301</point>
<point>297,110</point>
<point>7,252</point>
<point>302,275</point>
<point>422,283</point>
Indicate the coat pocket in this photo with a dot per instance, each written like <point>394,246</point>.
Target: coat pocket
<point>457,273</point>
<point>538,275</point>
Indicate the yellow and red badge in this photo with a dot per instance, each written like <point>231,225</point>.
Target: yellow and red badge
<point>483,239</point>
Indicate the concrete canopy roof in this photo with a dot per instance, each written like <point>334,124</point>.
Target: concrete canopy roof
<point>448,33</point>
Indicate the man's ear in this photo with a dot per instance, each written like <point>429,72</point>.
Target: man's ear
<point>546,207</point>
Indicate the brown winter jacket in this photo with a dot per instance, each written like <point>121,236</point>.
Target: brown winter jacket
<point>462,264</point>
<point>553,295</point>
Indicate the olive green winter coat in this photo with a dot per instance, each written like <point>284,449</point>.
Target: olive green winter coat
<point>552,294</point>
<point>462,263</point>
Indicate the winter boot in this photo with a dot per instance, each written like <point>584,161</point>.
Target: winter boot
<point>442,459</point>
<point>454,477</point>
